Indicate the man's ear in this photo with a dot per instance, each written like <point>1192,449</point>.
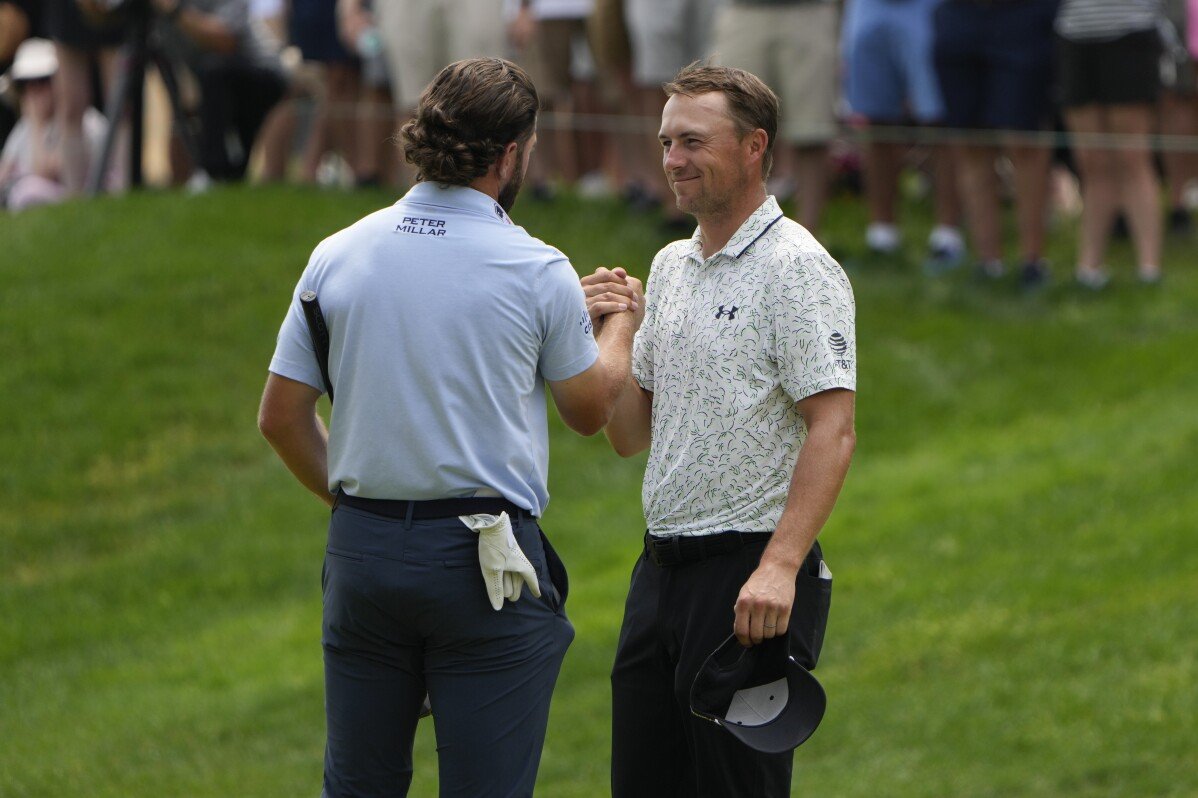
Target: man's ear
<point>507,161</point>
<point>757,141</point>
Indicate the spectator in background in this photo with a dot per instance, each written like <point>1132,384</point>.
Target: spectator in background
<point>238,72</point>
<point>312,27</point>
<point>18,21</point>
<point>666,35</point>
<point>376,161</point>
<point>791,46</point>
<point>80,39</point>
<point>993,59</point>
<point>607,34</point>
<point>890,79</point>
<point>1178,114</point>
<point>31,169</point>
<point>550,38</point>
<point>1109,53</point>
<point>420,37</point>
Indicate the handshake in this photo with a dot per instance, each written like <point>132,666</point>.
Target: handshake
<point>611,291</point>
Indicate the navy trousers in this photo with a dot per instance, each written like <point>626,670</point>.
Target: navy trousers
<point>405,612</point>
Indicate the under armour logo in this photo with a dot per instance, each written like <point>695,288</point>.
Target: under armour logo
<point>731,313</point>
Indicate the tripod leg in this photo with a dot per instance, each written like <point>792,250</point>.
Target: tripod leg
<point>114,109</point>
<point>166,71</point>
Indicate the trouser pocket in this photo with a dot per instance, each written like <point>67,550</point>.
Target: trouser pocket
<point>559,581</point>
<point>809,617</point>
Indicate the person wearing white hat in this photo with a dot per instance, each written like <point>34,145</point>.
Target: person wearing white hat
<point>31,162</point>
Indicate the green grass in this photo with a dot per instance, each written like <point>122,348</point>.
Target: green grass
<point>1016,604</point>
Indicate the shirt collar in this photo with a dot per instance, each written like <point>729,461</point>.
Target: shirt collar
<point>753,228</point>
<point>457,197</point>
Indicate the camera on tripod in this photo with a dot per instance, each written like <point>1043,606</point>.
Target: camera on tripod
<point>141,48</point>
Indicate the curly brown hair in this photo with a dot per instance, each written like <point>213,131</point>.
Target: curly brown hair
<point>751,104</point>
<point>466,117</point>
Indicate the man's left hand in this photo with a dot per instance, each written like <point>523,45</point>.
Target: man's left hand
<point>763,606</point>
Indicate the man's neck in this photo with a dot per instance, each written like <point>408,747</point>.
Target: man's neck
<point>488,184</point>
<point>717,230</point>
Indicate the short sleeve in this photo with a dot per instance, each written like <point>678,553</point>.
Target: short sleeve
<point>568,344</point>
<point>295,357</point>
<point>642,344</point>
<point>814,326</point>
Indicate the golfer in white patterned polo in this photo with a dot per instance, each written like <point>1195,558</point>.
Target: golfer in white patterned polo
<point>745,373</point>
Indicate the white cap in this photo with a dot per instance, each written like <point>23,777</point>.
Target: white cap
<point>35,59</point>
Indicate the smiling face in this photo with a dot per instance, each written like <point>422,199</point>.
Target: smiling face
<point>708,163</point>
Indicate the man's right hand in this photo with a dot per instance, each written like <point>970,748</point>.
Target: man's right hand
<point>613,291</point>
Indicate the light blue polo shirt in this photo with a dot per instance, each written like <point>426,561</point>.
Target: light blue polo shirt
<point>445,320</point>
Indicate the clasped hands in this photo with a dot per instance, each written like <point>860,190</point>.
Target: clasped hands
<point>611,291</point>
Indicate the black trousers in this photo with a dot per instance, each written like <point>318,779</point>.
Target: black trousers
<point>673,619</point>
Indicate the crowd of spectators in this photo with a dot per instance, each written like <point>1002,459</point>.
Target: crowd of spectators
<point>998,98</point>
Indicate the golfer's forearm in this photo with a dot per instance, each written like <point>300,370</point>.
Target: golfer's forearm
<point>814,487</point>
<point>303,448</point>
<point>630,425</point>
<point>615,353</point>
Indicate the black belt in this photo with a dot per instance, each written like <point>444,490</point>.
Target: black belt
<point>432,508</point>
<point>678,549</point>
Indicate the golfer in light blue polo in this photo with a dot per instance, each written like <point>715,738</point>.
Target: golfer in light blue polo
<point>446,321</point>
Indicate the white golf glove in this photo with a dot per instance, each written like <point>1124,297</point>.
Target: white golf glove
<point>505,568</point>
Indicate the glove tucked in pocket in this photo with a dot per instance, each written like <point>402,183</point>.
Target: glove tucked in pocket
<point>504,567</point>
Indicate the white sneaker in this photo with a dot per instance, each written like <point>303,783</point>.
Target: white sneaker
<point>1093,279</point>
<point>883,238</point>
<point>947,238</point>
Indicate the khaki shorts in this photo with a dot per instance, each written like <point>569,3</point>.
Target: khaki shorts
<point>421,37</point>
<point>793,50</point>
<point>667,35</point>
<point>551,58</point>
<point>609,37</point>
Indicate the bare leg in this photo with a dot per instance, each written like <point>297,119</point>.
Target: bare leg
<point>1140,189</point>
<point>811,182</point>
<point>376,155</point>
<point>882,161</point>
<point>882,164</point>
<point>1099,193</point>
<point>650,102</point>
<point>1179,117</point>
<point>341,93</point>
<point>622,155</point>
<point>1031,164</point>
<point>318,134</point>
<point>945,196</point>
<point>274,141</point>
<point>978,184</point>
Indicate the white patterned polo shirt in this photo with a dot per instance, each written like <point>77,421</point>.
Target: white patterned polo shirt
<point>727,346</point>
